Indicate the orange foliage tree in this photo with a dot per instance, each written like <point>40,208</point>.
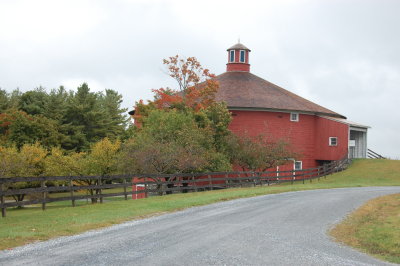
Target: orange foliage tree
<point>196,90</point>
<point>194,102</point>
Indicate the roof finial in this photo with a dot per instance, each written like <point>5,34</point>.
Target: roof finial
<point>239,39</point>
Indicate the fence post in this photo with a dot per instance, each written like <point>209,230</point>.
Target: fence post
<point>293,176</point>
<point>99,184</point>
<point>3,209</point>
<point>194,184</point>
<point>318,175</point>
<point>226,180</point>
<point>145,187</point>
<point>43,185</point>
<point>125,194</point>
<point>71,189</point>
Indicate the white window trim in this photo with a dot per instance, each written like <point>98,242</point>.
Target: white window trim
<point>295,120</point>
<point>230,57</point>
<point>330,141</point>
<point>301,165</point>
<point>244,56</point>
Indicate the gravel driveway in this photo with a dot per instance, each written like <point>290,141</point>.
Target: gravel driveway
<point>281,229</point>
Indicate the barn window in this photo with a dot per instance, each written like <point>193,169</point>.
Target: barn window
<point>294,117</point>
<point>332,141</point>
<point>298,165</point>
<point>242,56</point>
<point>232,56</point>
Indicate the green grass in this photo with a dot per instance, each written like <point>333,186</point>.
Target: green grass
<point>374,228</point>
<point>31,224</point>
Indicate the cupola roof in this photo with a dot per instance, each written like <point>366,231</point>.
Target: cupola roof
<point>239,46</point>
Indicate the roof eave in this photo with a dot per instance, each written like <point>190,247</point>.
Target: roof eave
<point>350,123</point>
<point>285,111</point>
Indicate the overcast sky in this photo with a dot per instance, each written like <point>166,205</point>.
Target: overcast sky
<point>343,55</point>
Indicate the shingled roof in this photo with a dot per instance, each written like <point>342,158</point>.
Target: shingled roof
<point>238,46</point>
<point>243,90</point>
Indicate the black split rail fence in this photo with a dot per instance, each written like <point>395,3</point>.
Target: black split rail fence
<point>47,189</point>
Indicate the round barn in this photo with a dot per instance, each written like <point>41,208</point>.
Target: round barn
<point>258,107</point>
<point>317,134</point>
<point>261,107</point>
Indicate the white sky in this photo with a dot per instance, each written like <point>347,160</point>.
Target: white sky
<point>341,54</point>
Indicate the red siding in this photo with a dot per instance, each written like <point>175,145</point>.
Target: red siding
<point>308,137</point>
<point>238,67</point>
<point>326,128</point>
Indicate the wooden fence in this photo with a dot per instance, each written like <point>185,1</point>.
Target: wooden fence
<point>373,155</point>
<point>43,189</point>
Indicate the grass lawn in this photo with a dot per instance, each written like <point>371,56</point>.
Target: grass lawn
<point>31,224</point>
<point>374,228</point>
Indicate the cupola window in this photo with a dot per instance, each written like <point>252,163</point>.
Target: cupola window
<point>232,56</point>
<point>242,56</point>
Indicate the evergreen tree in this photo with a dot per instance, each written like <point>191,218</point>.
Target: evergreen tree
<point>56,104</point>
<point>91,116</point>
<point>116,118</point>
<point>3,100</point>
<point>72,120</point>
<point>34,102</point>
<point>9,100</point>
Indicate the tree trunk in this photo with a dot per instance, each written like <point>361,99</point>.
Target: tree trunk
<point>169,186</point>
<point>18,198</point>
<point>93,192</point>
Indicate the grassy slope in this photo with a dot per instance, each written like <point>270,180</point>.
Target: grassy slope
<point>374,228</point>
<point>31,224</point>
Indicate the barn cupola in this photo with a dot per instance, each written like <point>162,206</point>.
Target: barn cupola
<point>238,58</point>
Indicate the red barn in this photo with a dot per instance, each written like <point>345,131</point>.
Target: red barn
<point>261,107</point>
<point>258,106</point>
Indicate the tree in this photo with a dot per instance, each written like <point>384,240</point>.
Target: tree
<point>218,119</point>
<point>171,142</point>
<point>9,100</point>
<point>116,118</point>
<point>102,159</point>
<point>34,102</point>
<point>62,163</point>
<point>72,120</point>
<point>187,73</point>
<point>56,104</point>
<point>28,162</point>
<point>258,153</point>
<point>196,90</point>
<point>195,100</point>
<point>3,101</point>
<point>10,163</point>
<point>90,117</point>
<point>19,128</point>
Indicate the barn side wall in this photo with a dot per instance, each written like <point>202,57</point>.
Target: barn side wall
<point>277,125</point>
<point>326,128</point>
<point>308,137</point>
